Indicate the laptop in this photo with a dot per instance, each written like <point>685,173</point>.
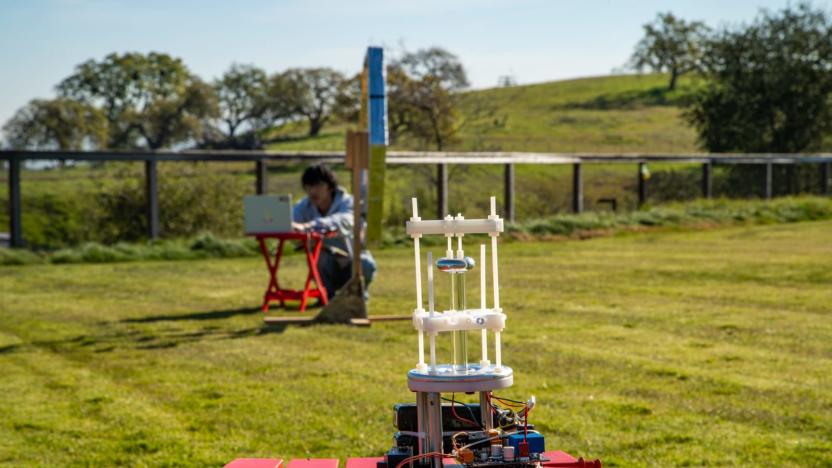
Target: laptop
<point>265,214</point>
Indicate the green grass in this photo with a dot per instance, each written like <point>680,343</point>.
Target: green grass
<point>663,349</point>
<point>623,113</point>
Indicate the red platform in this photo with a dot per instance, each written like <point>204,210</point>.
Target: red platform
<point>312,243</point>
<point>557,459</point>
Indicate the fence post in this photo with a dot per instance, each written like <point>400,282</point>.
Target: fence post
<point>261,182</point>
<point>15,226</point>
<point>769,180</point>
<point>441,190</point>
<point>577,189</point>
<point>824,177</point>
<point>707,180</point>
<point>642,184</point>
<point>509,193</point>
<point>151,197</point>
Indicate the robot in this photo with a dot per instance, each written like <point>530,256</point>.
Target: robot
<point>441,432</point>
<point>494,433</point>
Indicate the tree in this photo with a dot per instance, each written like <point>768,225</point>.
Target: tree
<point>423,92</point>
<point>244,103</point>
<point>670,45</point>
<point>152,98</point>
<point>59,124</point>
<point>311,93</point>
<point>769,85</point>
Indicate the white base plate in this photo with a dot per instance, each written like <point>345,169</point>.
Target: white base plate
<point>446,379</point>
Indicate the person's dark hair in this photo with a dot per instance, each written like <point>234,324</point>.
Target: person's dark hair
<point>314,175</point>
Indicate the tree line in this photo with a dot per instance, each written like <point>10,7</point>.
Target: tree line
<point>154,101</point>
<point>765,86</point>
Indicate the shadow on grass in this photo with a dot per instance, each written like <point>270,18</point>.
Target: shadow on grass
<point>211,315</point>
<point>142,340</point>
<point>657,96</point>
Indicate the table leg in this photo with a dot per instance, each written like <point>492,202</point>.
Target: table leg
<point>316,275</point>
<point>273,288</point>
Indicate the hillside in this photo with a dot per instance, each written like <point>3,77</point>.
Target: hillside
<point>624,113</point>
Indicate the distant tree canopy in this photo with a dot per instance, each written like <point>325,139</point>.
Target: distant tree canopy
<point>670,45</point>
<point>310,93</point>
<point>57,124</point>
<point>423,91</point>
<point>149,100</point>
<point>244,105</point>
<point>769,85</point>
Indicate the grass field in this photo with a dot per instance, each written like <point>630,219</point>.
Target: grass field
<point>668,349</point>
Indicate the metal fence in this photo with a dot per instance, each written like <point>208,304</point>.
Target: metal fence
<point>441,160</point>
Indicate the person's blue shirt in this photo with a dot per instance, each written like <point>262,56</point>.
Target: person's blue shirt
<point>338,218</point>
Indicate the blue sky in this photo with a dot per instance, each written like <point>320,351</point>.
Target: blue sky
<point>533,40</point>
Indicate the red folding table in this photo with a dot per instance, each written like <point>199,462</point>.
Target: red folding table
<point>312,243</point>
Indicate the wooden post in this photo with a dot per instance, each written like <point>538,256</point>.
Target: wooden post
<point>642,184</point>
<point>509,192</point>
<point>707,180</point>
<point>261,182</point>
<point>15,226</point>
<point>767,189</point>
<point>441,190</point>
<point>151,198</point>
<point>577,189</point>
<point>357,159</point>
<point>824,177</point>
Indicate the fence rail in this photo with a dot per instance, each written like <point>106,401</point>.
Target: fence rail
<point>261,159</point>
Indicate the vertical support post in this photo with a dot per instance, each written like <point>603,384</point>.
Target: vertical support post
<point>508,195</point>
<point>151,197</point>
<point>769,176</point>
<point>441,190</point>
<point>434,432</point>
<point>485,412</point>
<point>15,226</point>
<point>422,420</point>
<point>577,189</point>
<point>642,184</point>
<point>707,180</point>
<point>261,182</point>
<point>824,177</point>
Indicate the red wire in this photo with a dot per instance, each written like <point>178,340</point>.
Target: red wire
<point>453,411</point>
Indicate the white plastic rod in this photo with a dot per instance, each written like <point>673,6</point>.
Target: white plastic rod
<point>498,356</point>
<point>432,339</point>
<point>459,252</point>
<point>495,278</point>
<point>415,205</point>
<point>482,276</point>
<point>430,283</point>
<point>450,252</point>
<point>421,349</point>
<point>417,256</point>
<point>482,303</point>
<point>493,206</point>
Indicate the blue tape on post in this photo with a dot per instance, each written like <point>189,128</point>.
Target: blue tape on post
<point>377,104</point>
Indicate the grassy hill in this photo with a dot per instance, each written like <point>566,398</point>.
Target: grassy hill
<point>659,349</point>
<point>624,113</point>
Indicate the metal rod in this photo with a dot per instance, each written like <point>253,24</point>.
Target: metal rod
<point>508,196</point>
<point>707,180</point>
<point>261,182</point>
<point>642,184</point>
<point>485,411</point>
<point>151,199</point>
<point>769,177</point>
<point>577,189</point>
<point>441,190</point>
<point>15,214</point>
